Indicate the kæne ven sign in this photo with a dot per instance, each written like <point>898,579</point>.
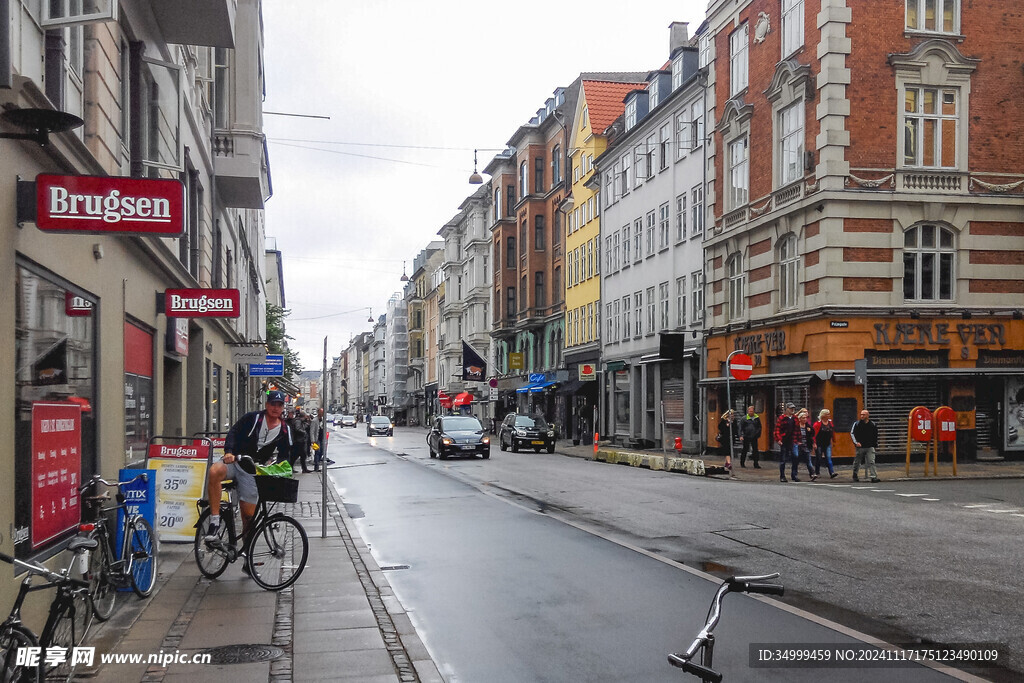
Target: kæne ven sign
<point>201,303</point>
<point>109,204</point>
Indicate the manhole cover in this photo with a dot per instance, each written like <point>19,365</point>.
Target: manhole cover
<point>243,654</point>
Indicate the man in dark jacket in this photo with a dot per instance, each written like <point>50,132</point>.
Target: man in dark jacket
<point>299,425</point>
<point>787,433</point>
<point>262,435</point>
<point>750,431</point>
<point>865,437</point>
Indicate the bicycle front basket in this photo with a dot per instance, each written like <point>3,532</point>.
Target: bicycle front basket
<point>277,489</point>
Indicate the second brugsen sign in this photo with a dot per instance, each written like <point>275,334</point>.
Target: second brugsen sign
<point>201,303</point>
<point>109,204</point>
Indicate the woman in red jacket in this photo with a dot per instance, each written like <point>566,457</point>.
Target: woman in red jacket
<point>824,437</point>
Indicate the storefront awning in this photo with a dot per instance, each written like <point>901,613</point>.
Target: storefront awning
<point>526,387</point>
<point>463,399</point>
<point>541,386</point>
<point>570,387</point>
<point>777,378</point>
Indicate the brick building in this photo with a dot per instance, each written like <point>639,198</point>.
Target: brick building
<point>867,203</point>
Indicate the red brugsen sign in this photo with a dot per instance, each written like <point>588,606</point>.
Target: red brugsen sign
<point>202,303</point>
<point>109,204</point>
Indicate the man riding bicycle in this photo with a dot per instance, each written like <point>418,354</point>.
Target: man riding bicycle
<point>262,435</point>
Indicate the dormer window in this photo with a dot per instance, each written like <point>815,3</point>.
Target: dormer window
<point>652,88</point>
<point>677,71</point>
<point>630,113</point>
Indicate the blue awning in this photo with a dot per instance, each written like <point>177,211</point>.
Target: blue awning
<point>541,386</point>
<point>526,387</point>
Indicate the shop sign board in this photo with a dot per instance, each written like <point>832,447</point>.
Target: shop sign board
<point>515,361</point>
<point>180,473</point>
<point>587,372</point>
<point>202,303</point>
<point>76,306</point>
<point>249,354</point>
<point>140,499</point>
<point>274,367</point>
<point>110,205</point>
<point>56,470</point>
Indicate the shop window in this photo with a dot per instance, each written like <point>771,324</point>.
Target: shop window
<point>54,407</point>
<point>138,390</point>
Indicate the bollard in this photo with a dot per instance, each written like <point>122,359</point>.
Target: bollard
<point>596,437</point>
<point>679,444</point>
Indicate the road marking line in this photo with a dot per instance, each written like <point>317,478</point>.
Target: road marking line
<point>883,490</point>
<point>911,495</point>
<point>979,505</point>
<point>932,500</point>
<point>1002,511</point>
<point>861,488</point>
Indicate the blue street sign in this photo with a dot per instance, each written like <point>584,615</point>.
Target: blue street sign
<point>274,367</point>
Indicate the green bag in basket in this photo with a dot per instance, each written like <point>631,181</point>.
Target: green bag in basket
<point>278,469</point>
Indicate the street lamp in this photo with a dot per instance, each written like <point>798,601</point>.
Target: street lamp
<point>476,178</point>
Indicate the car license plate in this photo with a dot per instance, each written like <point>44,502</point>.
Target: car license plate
<point>468,448</point>
<point>536,443</point>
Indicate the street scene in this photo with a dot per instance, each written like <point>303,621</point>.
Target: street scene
<point>403,341</point>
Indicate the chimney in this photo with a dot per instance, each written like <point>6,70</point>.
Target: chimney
<point>679,35</point>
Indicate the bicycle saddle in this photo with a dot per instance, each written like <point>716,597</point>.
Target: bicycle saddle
<point>79,542</point>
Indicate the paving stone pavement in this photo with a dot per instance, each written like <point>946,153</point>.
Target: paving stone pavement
<point>339,621</point>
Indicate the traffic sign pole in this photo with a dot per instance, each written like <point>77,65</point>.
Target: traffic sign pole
<point>740,368</point>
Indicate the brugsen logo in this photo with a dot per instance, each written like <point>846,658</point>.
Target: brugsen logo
<point>178,452</point>
<point>192,303</point>
<point>109,208</point>
<point>202,304</point>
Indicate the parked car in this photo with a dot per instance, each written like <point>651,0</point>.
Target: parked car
<point>458,435</point>
<point>526,431</point>
<point>347,421</point>
<point>380,425</point>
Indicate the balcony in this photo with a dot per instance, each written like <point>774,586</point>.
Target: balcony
<point>241,169</point>
<point>197,22</point>
<point>947,182</point>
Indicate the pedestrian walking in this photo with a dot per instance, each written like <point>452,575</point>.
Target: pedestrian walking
<point>865,438</point>
<point>726,434</point>
<point>750,433</point>
<point>824,437</point>
<point>806,445</point>
<point>787,433</point>
<point>299,435</point>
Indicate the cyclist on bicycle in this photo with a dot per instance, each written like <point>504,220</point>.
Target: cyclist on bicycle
<point>261,434</point>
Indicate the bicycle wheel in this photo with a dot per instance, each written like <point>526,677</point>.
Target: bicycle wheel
<point>277,552</point>
<point>60,632</point>
<point>142,553</point>
<point>102,590</point>
<point>12,638</point>
<point>211,561</point>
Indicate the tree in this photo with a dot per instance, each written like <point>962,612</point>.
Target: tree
<point>277,340</point>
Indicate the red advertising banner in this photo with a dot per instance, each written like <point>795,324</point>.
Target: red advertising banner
<point>197,451</point>
<point>56,469</point>
<point>110,204</point>
<point>76,306</point>
<point>202,303</point>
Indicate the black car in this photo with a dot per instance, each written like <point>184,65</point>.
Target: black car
<point>526,431</point>
<point>458,435</point>
<point>379,425</point>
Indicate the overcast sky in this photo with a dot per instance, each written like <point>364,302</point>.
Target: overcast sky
<point>353,196</point>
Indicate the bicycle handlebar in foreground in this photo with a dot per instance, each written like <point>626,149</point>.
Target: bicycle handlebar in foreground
<point>36,568</point>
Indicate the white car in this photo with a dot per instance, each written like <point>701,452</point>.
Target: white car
<point>346,421</point>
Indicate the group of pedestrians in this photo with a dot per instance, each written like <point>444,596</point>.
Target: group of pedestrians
<point>308,436</point>
<point>802,441</point>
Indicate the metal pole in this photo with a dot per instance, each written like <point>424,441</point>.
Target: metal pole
<point>323,460</point>
<point>728,398</point>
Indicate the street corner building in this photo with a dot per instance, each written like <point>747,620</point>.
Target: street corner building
<point>866,202</point>
<point>134,174</point>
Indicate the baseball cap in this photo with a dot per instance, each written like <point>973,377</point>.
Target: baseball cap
<point>790,406</point>
<point>275,396</point>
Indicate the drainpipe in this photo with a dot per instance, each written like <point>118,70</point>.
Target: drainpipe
<point>5,45</point>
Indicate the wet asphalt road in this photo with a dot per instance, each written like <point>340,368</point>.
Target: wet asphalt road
<point>499,592</point>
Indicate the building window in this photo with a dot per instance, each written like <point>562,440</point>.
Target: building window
<point>615,252</point>
<point>617,333</point>
<point>931,119</point>
<point>677,71</point>
<point>680,302</point>
<point>510,302</point>
<point>496,210</point>
<point>538,175</point>
<point>697,211</point>
<point>791,143</point>
<point>793,26</point>
<point>641,154</point>
<point>585,118</point>
<point>941,16</point>
<point>663,305</point>
<point>626,255</point>
<point>684,133</point>
<point>608,319</point>
<point>631,113</point>
<point>627,324</point>
<point>696,297</point>
<point>697,116</point>
<point>734,271</point>
<point>638,307</point>
<point>522,179</point>
<point>928,263</point>
<point>510,253</point>
<point>651,220</point>
<point>739,173</point>
<point>738,61</point>
<point>705,47</point>
<point>510,200</point>
<point>556,165</point>
<point>680,218</point>
<point>788,262</point>
<point>523,293</point>
<point>650,310</point>
<point>638,239</point>
<point>627,166</point>
<point>608,254</point>
<point>556,232</point>
<point>664,143</point>
<point>663,226</point>
<point>538,233</point>
<point>652,92</point>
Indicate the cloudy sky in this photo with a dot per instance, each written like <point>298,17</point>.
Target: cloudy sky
<point>411,88</point>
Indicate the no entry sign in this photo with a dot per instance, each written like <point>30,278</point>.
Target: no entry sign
<point>741,366</point>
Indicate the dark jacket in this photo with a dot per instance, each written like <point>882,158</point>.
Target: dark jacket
<point>807,440</point>
<point>750,427</point>
<point>824,433</point>
<point>244,435</point>
<point>726,430</point>
<point>787,431</point>
<point>865,433</point>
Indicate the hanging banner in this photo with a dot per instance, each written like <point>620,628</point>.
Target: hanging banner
<point>474,368</point>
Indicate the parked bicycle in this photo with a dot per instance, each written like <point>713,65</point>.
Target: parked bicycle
<point>704,643</point>
<point>66,624</point>
<point>134,564</point>
<point>275,548</point>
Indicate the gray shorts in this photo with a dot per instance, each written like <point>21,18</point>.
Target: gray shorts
<point>245,483</point>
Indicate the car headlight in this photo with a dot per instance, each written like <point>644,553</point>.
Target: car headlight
<point>486,440</point>
<point>446,441</point>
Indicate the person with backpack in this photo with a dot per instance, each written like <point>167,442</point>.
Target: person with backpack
<point>824,437</point>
